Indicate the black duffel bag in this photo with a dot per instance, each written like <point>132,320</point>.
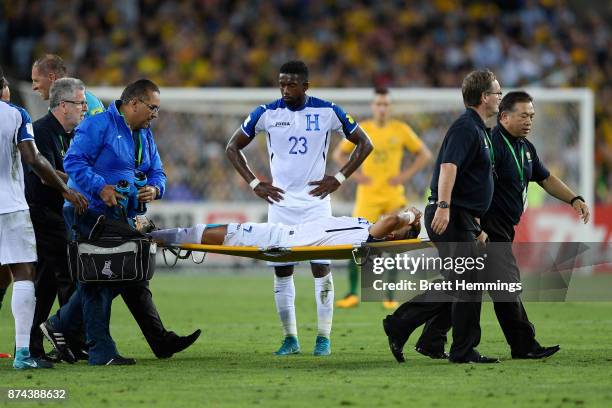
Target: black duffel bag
<point>113,253</point>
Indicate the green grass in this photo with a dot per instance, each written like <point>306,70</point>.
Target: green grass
<point>232,362</point>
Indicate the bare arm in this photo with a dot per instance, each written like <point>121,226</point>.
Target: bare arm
<point>558,189</point>
<point>389,223</point>
<point>233,151</point>
<point>446,182</point>
<point>363,147</point>
<point>43,169</point>
<point>62,175</point>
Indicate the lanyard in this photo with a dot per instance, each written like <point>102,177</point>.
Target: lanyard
<point>63,149</point>
<point>137,138</point>
<point>491,152</point>
<point>137,148</point>
<point>520,168</point>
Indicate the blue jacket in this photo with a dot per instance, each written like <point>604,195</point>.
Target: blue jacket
<point>102,153</point>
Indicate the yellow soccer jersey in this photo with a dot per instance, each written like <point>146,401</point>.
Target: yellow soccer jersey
<point>385,160</point>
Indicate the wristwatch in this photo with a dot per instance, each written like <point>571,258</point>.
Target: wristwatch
<point>443,204</point>
<point>576,198</point>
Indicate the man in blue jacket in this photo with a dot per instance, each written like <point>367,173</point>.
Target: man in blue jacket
<point>107,148</point>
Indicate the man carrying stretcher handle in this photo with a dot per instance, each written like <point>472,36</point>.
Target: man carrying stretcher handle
<point>322,232</point>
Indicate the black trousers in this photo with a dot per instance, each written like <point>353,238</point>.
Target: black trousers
<point>139,300</point>
<point>53,278</point>
<point>511,315</point>
<point>462,308</point>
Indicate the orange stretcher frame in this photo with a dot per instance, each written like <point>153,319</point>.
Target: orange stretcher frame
<point>303,253</point>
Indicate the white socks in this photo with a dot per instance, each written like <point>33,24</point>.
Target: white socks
<point>284,296</point>
<point>23,304</point>
<point>180,235</point>
<point>324,295</point>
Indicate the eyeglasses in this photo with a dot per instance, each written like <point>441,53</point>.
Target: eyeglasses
<point>499,94</point>
<point>152,108</point>
<point>81,103</point>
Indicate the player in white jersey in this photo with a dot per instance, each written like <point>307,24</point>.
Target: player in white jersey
<point>17,241</point>
<point>322,232</point>
<point>298,129</point>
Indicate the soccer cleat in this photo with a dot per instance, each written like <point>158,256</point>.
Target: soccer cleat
<point>322,347</point>
<point>58,341</point>
<point>348,302</point>
<point>290,346</point>
<point>23,360</point>
<point>390,304</point>
<point>5,355</point>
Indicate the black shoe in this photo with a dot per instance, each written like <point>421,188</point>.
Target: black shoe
<point>118,360</point>
<point>58,341</point>
<point>52,357</point>
<point>180,344</point>
<point>80,354</point>
<point>474,358</point>
<point>539,353</point>
<point>436,355</point>
<point>396,344</point>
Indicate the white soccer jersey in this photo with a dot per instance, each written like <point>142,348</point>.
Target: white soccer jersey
<point>15,127</point>
<point>323,232</point>
<point>298,142</point>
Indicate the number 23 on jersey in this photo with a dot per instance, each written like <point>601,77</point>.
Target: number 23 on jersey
<point>299,145</point>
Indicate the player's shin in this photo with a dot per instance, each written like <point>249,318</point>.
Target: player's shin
<point>324,295</point>
<point>23,303</point>
<point>284,296</point>
<point>191,235</point>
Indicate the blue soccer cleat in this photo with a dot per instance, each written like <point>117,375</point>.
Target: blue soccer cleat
<point>322,346</point>
<point>23,360</point>
<point>290,346</point>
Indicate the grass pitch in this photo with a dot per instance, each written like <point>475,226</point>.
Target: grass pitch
<point>232,365</point>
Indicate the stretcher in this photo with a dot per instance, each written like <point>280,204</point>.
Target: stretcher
<point>359,253</point>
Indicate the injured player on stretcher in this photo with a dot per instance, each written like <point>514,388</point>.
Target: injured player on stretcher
<point>322,232</point>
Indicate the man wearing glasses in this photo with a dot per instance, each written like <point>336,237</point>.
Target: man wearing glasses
<point>45,71</point>
<point>107,148</point>
<point>461,192</point>
<point>53,133</point>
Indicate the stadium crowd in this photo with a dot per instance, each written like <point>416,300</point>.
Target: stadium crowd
<point>346,43</point>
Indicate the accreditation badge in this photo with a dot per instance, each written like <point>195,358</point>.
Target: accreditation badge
<point>525,202</point>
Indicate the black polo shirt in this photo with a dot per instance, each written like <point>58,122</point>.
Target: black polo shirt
<point>52,142</point>
<point>508,195</point>
<point>466,145</point>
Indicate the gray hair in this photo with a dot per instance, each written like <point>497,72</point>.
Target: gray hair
<point>64,89</point>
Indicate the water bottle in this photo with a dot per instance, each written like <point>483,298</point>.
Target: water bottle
<point>123,188</point>
<point>140,181</point>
